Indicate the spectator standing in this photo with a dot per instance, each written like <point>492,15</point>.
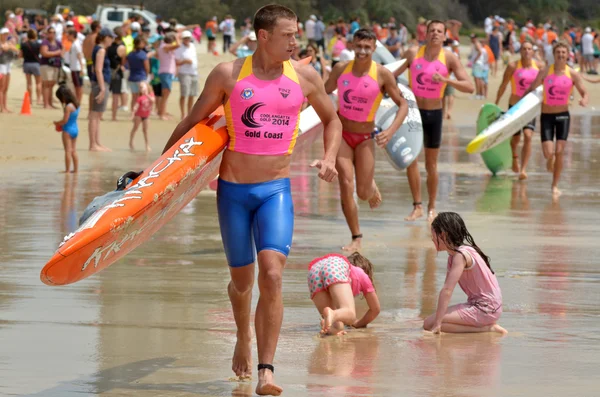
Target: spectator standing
<point>30,52</point>
<point>187,62</point>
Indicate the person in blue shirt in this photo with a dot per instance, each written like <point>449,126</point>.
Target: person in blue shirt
<point>139,68</point>
<point>355,25</point>
<point>244,47</point>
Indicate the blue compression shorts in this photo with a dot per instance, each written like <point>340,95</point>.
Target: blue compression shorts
<point>255,215</point>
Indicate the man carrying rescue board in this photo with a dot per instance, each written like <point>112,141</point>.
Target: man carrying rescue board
<point>430,70</point>
<point>558,80</point>
<point>361,84</point>
<point>520,75</point>
<point>262,96</point>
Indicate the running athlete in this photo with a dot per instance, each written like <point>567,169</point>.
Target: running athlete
<point>262,95</point>
<point>430,70</point>
<point>520,75</point>
<point>558,80</point>
<point>361,84</point>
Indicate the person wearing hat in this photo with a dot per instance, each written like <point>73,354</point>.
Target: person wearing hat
<point>11,23</point>
<point>187,73</point>
<point>309,28</point>
<point>100,80</point>
<point>8,51</point>
<point>421,31</point>
<point>587,50</point>
<point>244,47</point>
<point>57,24</point>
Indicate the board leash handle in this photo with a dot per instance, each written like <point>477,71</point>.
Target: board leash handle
<point>123,180</point>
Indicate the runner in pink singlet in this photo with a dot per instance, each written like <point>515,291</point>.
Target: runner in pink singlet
<point>430,67</point>
<point>262,96</point>
<point>470,268</point>
<point>361,84</point>
<point>520,75</point>
<point>558,80</point>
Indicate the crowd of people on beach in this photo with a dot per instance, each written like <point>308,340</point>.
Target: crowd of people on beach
<point>253,187</point>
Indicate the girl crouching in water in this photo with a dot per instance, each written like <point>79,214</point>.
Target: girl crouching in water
<point>68,126</point>
<point>334,281</point>
<point>470,268</point>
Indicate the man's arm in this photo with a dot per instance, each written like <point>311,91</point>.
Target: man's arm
<point>391,88</point>
<point>578,82</point>
<point>410,56</point>
<point>462,82</point>
<point>211,97</point>
<point>331,83</point>
<point>505,80</point>
<point>332,126</point>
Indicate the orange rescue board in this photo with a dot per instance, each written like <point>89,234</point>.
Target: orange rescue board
<point>149,202</point>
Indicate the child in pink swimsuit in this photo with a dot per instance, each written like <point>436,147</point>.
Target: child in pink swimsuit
<point>470,268</point>
<point>141,111</point>
<point>334,280</point>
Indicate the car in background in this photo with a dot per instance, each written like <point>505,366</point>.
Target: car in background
<point>114,15</point>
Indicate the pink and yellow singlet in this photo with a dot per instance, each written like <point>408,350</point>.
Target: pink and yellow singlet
<point>422,71</point>
<point>263,115</point>
<point>522,78</point>
<point>557,89</point>
<point>358,97</point>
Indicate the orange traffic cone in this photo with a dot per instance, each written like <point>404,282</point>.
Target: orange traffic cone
<point>26,106</point>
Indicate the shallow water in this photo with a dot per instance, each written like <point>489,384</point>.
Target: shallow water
<point>159,322</point>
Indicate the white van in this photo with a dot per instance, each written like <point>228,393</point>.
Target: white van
<point>113,15</point>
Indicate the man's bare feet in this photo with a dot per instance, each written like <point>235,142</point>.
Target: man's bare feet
<point>431,214</point>
<point>550,163</point>
<point>148,149</point>
<point>242,355</point>
<point>131,147</point>
<point>105,149</point>
<point>354,246</point>
<point>555,192</point>
<point>375,201</point>
<point>515,164</point>
<point>522,176</point>
<point>497,328</point>
<point>328,320</point>
<point>416,213</point>
<point>95,149</point>
<point>266,384</point>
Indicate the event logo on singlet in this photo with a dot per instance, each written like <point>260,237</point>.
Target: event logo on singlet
<point>247,93</point>
<point>252,120</point>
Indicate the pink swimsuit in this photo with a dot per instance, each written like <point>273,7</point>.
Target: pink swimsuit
<point>263,115</point>
<point>358,97</point>
<point>557,89</point>
<point>335,268</point>
<point>484,303</point>
<point>522,78</point>
<point>422,71</point>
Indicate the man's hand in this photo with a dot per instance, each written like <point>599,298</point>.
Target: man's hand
<point>439,78</point>
<point>327,170</point>
<point>384,137</point>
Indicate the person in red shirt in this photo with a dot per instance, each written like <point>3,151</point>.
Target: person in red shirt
<point>141,111</point>
<point>421,31</point>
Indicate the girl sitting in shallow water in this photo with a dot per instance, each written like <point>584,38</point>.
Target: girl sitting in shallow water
<point>470,268</point>
<point>334,281</point>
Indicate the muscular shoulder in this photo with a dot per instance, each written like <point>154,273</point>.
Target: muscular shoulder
<point>384,73</point>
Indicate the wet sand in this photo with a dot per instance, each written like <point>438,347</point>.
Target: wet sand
<point>159,321</point>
